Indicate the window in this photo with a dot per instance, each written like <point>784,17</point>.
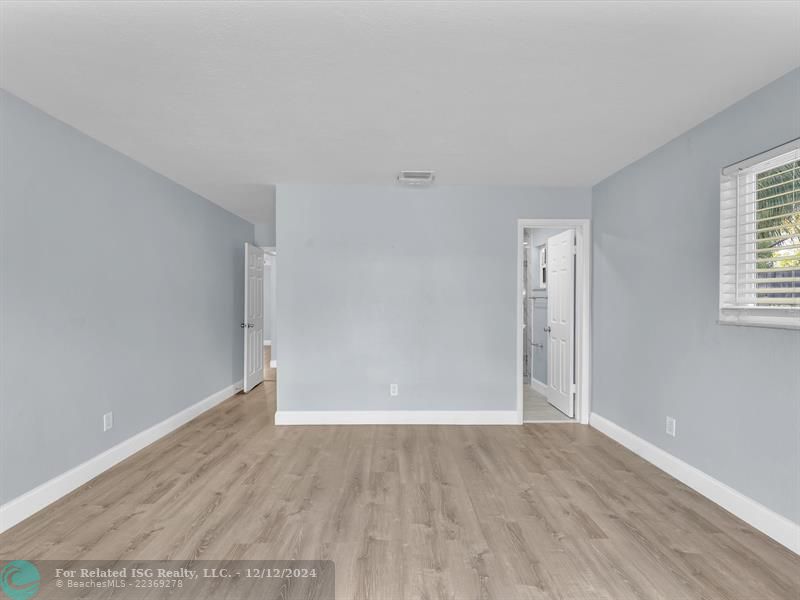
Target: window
<point>543,267</point>
<point>760,240</point>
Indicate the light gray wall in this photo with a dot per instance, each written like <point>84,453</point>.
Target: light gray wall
<point>658,349</point>
<point>539,235</point>
<point>119,291</point>
<point>382,284</point>
<point>265,227</point>
<point>267,303</point>
<point>265,235</point>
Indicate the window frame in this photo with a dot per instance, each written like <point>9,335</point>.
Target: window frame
<point>740,313</point>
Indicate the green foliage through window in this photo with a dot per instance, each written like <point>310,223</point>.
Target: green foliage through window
<point>778,235</point>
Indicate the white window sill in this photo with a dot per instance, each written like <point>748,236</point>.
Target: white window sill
<point>778,322</point>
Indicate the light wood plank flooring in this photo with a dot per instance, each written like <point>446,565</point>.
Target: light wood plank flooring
<point>498,512</point>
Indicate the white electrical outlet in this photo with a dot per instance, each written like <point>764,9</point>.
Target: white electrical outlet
<point>108,421</point>
<point>671,424</point>
<point>394,389</point>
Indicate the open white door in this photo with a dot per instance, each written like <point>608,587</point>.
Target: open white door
<point>561,321</point>
<point>253,324</point>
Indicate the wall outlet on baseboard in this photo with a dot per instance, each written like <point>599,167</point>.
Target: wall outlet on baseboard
<point>108,421</point>
<point>671,425</point>
<point>394,389</point>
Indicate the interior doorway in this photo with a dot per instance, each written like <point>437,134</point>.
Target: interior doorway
<point>553,319</point>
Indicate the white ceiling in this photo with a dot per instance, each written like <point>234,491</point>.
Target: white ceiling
<point>230,97</point>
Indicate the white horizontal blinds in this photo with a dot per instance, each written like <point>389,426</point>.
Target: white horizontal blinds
<point>760,234</point>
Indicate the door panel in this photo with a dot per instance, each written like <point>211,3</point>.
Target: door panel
<point>253,324</point>
<point>561,321</point>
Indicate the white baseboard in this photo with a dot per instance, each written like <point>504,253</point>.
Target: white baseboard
<point>268,342</point>
<point>273,364</point>
<point>22,507</point>
<point>538,386</point>
<point>396,417</point>
<point>776,526</point>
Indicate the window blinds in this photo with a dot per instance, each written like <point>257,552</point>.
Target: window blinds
<point>760,237</point>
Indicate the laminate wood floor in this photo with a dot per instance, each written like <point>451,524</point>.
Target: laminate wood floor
<point>499,512</point>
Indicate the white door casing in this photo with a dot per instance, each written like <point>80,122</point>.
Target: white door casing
<point>561,321</point>
<point>253,324</point>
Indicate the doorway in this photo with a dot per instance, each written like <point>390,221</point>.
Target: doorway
<point>553,321</point>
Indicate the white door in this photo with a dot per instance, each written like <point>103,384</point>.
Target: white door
<point>253,325</point>
<point>561,321</point>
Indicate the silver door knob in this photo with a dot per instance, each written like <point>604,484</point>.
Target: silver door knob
<point>547,329</point>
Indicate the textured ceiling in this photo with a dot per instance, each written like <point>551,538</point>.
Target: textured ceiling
<point>228,98</point>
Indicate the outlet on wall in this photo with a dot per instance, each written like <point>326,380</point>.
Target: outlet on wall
<point>671,424</point>
<point>108,421</point>
<point>394,389</point>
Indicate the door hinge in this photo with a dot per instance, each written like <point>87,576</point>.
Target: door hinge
<point>574,389</point>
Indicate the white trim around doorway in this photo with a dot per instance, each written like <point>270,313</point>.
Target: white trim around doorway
<point>583,322</point>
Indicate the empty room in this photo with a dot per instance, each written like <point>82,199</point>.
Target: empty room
<point>388,300</point>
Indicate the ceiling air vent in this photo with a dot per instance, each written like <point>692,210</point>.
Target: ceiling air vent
<point>415,177</point>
